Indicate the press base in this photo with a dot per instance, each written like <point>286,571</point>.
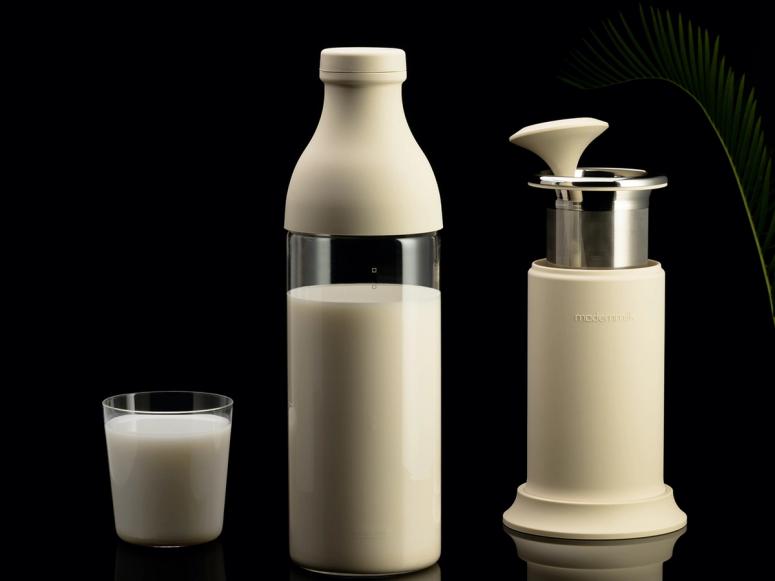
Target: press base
<point>579,520</point>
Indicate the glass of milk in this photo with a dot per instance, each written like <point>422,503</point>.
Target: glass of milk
<point>168,453</point>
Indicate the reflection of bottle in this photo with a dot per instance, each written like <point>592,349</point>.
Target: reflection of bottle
<point>364,345</point>
<point>569,560</point>
<point>197,563</point>
<point>595,353</point>
<point>432,573</point>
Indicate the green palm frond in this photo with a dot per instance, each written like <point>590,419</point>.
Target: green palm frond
<point>662,47</point>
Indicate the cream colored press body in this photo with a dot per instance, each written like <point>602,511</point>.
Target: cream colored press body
<point>364,330</point>
<point>595,356</point>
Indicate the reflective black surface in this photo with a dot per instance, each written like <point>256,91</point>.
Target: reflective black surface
<point>672,557</point>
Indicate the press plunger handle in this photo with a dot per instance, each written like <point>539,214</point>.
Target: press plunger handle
<point>560,143</point>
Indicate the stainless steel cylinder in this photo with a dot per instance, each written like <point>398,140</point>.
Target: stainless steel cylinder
<point>598,218</point>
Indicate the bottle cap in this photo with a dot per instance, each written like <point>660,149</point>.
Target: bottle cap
<point>362,59</point>
<point>363,174</point>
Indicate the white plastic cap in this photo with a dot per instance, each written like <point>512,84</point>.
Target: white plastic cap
<point>362,173</point>
<point>362,59</point>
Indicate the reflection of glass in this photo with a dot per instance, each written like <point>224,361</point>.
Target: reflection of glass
<point>568,560</point>
<point>432,573</point>
<point>199,563</point>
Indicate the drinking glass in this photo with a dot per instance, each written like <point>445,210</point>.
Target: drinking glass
<point>168,453</point>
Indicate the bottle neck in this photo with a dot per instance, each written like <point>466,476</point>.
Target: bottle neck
<point>366,107</point>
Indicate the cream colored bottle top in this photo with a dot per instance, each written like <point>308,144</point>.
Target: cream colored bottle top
<point>560,143</point>
<point>363,173</point>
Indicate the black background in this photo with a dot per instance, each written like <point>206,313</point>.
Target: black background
<point>158,255</point>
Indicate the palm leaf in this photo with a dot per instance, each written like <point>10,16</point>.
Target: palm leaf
<point>660,47</point>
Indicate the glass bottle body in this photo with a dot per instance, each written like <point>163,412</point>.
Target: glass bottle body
<point>364,402</point>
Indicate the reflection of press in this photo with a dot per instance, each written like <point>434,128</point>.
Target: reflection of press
<point>595,352</point>
<point>574,560</point>
<point>198,563</point>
